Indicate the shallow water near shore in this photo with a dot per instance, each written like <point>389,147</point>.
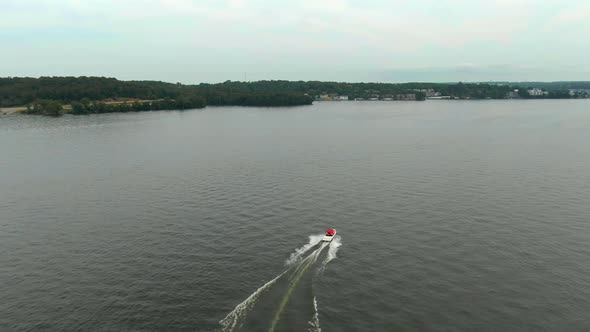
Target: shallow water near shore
<point>453,215</point>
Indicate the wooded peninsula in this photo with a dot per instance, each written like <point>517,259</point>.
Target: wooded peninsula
<point>88,95</point>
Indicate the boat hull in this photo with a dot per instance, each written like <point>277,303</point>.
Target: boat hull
<point>328,238</point>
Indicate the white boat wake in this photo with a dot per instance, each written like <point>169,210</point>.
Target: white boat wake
<point>229,323</point>
<point>296,256</point>
<point>298,263</point>
<point>314,323</point>
<point>332,250</point>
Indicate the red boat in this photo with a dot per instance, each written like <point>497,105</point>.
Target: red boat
<point>330,234</point>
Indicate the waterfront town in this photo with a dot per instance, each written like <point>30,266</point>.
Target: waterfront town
<point>431,94</point>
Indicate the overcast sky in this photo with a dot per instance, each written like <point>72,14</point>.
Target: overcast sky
<point>195,41</point>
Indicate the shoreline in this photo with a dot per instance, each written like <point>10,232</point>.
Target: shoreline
<point>12,110</point>
<point>68,107</point>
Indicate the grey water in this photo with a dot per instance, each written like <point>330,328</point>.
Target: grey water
<point>461,216</point>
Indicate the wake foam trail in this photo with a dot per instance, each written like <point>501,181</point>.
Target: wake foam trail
<point>334,246</point>
<point>298,262</point>
<point>241,310</point>
<point>314,323</point>
<point>297,255</point>
<point>299,271</point>
<point>332,250</point>
<point>312,257</point>
<point>304,263</point>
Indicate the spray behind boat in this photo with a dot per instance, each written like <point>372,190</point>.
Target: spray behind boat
<point>288,299</point>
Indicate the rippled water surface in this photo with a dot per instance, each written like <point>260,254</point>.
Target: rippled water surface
<point>452,216</point>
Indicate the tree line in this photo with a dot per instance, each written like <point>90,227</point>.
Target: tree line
<point>86,94</point>
<point>85,106</point>
<point>550,86</point>
<point>37,92</point>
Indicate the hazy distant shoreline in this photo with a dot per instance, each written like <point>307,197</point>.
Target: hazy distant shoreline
<point>92,95</point>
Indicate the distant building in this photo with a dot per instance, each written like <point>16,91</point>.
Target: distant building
<point>428,92</point>
<point>407,96</point>
<point>330,97</point>
<point>512,94</point>
<point>537,92</point>
<point>580,93</point>
<point>438,97</point>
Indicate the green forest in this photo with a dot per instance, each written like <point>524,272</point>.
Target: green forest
<point>85,95</point>
<point>552,86</point>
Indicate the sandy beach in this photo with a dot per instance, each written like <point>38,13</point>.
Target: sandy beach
<point>11,110</point>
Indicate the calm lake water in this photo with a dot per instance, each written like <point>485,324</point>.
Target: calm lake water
<point>470,216</point>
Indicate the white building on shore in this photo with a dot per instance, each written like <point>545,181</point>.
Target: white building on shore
<point>537,92</point>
